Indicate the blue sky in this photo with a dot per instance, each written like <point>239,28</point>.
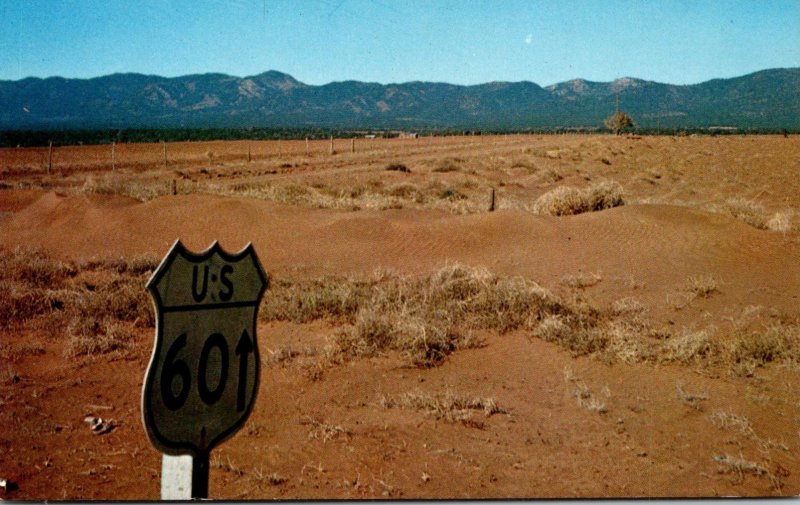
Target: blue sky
<point>460,41</point>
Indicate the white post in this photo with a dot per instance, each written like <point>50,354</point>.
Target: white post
<point>176,477</point>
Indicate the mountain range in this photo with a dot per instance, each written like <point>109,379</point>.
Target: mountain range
<point>766,99</point>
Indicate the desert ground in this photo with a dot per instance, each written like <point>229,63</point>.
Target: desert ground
<point>637,335</point>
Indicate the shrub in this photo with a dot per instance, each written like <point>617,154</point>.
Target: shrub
<point>567,200</point>
<point>603,195</point>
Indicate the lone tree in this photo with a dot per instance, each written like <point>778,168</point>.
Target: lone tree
<point>618,121</point>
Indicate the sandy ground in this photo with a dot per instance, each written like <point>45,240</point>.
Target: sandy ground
<point>320,430</point>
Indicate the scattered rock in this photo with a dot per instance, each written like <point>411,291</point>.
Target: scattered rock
<point>98,425</point>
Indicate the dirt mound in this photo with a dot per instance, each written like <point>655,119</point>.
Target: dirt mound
<point>655,244</point>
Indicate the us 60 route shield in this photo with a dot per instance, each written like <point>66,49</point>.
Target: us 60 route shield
<point>203,375</point>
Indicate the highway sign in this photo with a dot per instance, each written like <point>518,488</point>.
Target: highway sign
<point>203,374</point>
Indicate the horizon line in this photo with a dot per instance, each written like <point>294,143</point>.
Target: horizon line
<point>390,83</point>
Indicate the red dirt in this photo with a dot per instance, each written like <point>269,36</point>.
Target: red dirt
<point>647,443</point>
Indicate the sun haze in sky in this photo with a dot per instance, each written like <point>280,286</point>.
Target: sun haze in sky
<point>459,41</point>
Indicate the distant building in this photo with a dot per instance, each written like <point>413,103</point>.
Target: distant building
<point>722,128</point>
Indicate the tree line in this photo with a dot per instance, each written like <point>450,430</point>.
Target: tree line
<point>39,138</point>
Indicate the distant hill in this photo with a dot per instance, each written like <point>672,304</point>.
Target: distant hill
<point>765,99</point>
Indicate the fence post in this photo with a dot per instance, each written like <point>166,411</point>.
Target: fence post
<point>353,145</point>
<point>50,156</point>
<point>165,153</point>
<point>332,151</point>
<point>113,156</point>
<point>248,152</point>
<point>491,205</point>
<point>306,146</point>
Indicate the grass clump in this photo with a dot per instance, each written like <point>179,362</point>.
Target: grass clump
<point>702,285</point>
<point>33,267</point>
<point>21,303</point>
<point>397,167</point>
<point>91,335</point>
<point>748,211</point>
<point>450,406</point>
<point>568,200</point>
<point>448,165</point>
<point>583,395</point>
<point>781,222</point>
<point>776,342</point>
<point>754,214</point>
<point>691,347</point>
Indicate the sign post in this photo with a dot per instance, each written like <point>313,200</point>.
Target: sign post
<point>203,374</point>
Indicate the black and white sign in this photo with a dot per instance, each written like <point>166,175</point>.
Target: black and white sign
<point>203,375</point>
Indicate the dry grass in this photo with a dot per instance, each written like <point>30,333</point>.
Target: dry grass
<point>397,167</point>
<point>372,194</point>
<point>324,431</point>
<point>701,285</point>
<point>425,319</point>
<point>741,465</point>
<point>775,342</point>
<point>581,281</point>
<point>226,466</point>
<point>757,216</point>
<point>568,200</point>
<point>95,315</point>
<point>448,165</point>
<point>732,421</point>
<point>691,347</point>
<point>450,406</point>
<point>578,389</point>
<point>136,189</point>
<point>422,318</point>
<point>690,399</point>
<point>781,221</point>
<point>324,298</point>
<point>89,335</point>
<point>259,476</point>
<point>96,306</point>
